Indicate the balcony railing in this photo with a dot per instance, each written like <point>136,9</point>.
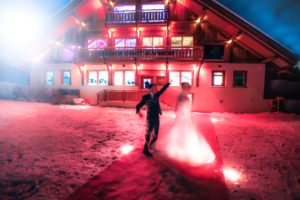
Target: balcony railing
<point>120,95</point>
<point>168,97</point>
<point>188,53</point>
<point>128,17</point>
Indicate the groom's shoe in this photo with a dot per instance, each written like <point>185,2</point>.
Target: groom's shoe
<point>146,151</point>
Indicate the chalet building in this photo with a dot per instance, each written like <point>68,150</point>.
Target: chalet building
<point>110,51</point>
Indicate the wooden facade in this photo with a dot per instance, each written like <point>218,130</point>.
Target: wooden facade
<point>132,42</point>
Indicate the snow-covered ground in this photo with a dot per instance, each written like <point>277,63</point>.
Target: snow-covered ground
<point>48,151</point>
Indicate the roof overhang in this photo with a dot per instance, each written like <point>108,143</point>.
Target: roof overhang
<point>252,38</point>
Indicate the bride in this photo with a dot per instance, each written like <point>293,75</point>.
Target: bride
<point>184,142</point>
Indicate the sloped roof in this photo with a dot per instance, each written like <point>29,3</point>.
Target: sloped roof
<point>216,14</point>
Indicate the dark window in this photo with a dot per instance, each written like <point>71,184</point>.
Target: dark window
<point>239,79</point>
<point>214,52</point>
<point>218,78</point>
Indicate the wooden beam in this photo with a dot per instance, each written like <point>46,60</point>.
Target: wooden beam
<point>270,59</point>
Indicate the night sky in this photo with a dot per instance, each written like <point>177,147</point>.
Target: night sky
<point>280,19</point>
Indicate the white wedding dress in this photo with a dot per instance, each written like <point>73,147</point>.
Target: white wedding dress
<point>184,142</point>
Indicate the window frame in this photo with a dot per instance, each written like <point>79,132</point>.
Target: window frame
<point>223,78</point>
<point>152,37</point>
<point>181,46</point>
<point>97,81</point>
<point>87,43</point>
<point>180,78</point>
<point>62,77</point>
<point>125,47</point>
<point>125,77</point>
<point>45,77</point>
<point>245,79</point>
<point>155,3</point>
<point>124,11</point>
<point>98,76</point>
<point>123,73</point>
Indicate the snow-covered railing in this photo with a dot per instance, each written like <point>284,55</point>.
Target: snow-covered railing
<point>167,98</point>
<point>120,95</point>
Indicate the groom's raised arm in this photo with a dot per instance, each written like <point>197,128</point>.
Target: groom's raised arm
<point>163,89</point>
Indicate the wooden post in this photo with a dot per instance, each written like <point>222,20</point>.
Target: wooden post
<point>198,73</point>
<point>167,70</point>
<point>109,71</point>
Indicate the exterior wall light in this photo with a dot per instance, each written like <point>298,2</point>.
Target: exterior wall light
<point>229,42</point>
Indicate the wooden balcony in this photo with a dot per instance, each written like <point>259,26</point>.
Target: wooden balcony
<point>130,17</point>
<point>163,53</point>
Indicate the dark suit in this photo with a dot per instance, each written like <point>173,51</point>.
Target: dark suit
<point>153,112</point>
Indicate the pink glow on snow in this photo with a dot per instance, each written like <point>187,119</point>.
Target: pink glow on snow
<point>231,175</point>
<point>216,120</point>
<point>75,107</point>
<point>126,149</point>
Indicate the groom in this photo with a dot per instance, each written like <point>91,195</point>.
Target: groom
<point>153,110</point>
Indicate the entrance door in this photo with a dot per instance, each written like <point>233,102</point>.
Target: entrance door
<point>146,81</point>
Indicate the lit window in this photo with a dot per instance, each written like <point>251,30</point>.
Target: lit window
<point>158,41</point>
<point>187,41</point>
<point>66,77</point>
<point>153,41</point>
<point>182,41</point>
<point>186,77</point>
<point>124,8</point>
<point>147,41</point>
<point>131,42</point>
<point>103,77</point>
<point>129,77</point>
<point>147,82</point>
<point>239,79</point>
<point>174,78</point>
<point>49,77</point>
<point>153,7</point>
<point>176,41</point>
<point>119,78</point>
<point>92,78</point>
<point>96,44</point>
<point>218,78</point>
<point>121,43</point>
